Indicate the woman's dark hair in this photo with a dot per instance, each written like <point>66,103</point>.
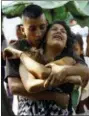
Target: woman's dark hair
<point>68,50</point>
<point>70,36</point>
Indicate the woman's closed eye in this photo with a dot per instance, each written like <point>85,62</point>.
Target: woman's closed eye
<point>54,29</point>
<point>63,31</point>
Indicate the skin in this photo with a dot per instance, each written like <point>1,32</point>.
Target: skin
<point>19,32</point>
<point>56,33</point>
<point>77,49</point>
<point>34,29</point>
<point>56,51</point>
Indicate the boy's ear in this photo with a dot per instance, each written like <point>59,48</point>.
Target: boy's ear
<point>81,51</point>
<point>47,22</point>
<point>22,30</point>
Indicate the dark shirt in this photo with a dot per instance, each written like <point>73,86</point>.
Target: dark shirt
<point>12,65</point>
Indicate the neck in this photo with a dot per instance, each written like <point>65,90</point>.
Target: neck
<point>52,52</point>
<point>33,45</point>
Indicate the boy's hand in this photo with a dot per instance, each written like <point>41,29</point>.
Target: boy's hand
<point>12,53</point>
<point>56,77</point>
<point>62,99</point>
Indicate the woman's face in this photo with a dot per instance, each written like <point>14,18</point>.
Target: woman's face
<point>57,36</point>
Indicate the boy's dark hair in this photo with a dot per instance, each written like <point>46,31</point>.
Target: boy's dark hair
<point>32,11</point>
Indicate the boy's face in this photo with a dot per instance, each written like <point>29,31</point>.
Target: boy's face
<point>34,29</point>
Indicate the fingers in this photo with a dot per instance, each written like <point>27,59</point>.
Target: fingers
<point>52,82</point>
<point>7,53</point>
<point>47,82</point>
<point>55,81</point>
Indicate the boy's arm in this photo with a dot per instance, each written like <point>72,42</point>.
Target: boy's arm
<point>30,82</point>
<point>63,71</point>
<point>17,88</point>
<point>37,69</point>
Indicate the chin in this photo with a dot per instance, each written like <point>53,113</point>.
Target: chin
<point>57,44</point>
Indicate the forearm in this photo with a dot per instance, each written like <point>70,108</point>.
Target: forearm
<point>17,88</point>
<point>73,79</point>
<point>82,71</point>
<point>79,69</point>
<point>30,83</point>
<point>37,69</point>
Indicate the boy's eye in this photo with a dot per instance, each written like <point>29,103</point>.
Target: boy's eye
<point>42,27</point>
<point>32,28</point>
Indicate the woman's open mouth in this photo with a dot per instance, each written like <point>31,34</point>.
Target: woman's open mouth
<point>58,37</point>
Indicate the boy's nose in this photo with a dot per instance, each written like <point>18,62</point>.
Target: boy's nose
<point>38,33</point>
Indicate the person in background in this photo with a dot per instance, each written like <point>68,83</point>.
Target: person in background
<point>84,92</point>
<point>87,51</point>
<point>19,32</point>
<point>78,48</point>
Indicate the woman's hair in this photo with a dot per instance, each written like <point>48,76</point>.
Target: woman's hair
<point>70,36</point>
<point>68,50</point>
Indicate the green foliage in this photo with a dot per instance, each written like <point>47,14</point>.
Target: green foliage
<point>54,10</point>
